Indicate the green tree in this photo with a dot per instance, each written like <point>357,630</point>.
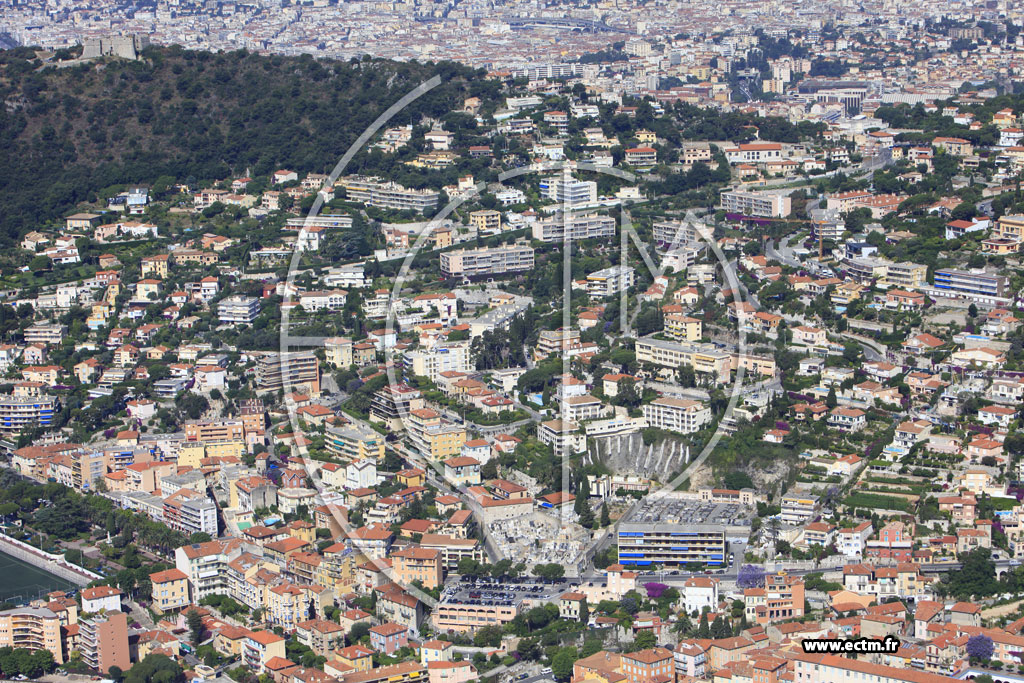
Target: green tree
<point>195,625</point>
<point>645,640</point>
<point>736,480</point>
<point>721,628</point>
<point>627,394</point>
<point>358,631</point>
<point>976,578</point>
<point>552,570</point>
<point>582,503</point>
<point>686,376</point>
<point>703,630</point>
<point>831,401</point>
<point>591,646</point>
<point>488,636</point>
<point>561,663</point>
<point>605,517</point>
<point>155,669</point>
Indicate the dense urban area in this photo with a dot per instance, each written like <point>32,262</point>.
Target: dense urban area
<point>614,342</point>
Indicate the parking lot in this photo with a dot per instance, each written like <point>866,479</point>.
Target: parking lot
<point>507,591</point>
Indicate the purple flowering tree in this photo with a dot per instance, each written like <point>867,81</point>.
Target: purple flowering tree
<point>980,647</point>
<point>654,590</point>
<point>750,576</point>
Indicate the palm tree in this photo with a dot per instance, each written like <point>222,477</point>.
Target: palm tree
<point>772,527</point>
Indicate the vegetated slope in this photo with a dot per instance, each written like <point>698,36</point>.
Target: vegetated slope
<point>180,115</point>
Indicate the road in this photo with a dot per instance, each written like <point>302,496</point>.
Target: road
<point>873,351</point>
<point>784,253</point>
<point>491,430</point>
<point>681,577</point>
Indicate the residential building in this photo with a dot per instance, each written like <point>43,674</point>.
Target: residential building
<point>238,309</point>
<point>434,437</point>
<point>798,507</point>
<point>700,592</point>
<point>170,591</point>
<point>970,282</point>
<point>354,441</point>
<point>388,195</point>
<point>103,641</point>
<point>462,471</point>
<point>756,204</point>
<point>465,616</point>
<point>570,192</point>
<point>753,153</point>
<point>486,220</point>
<point>781,599</point>
<point>391,405</point>
<point>320,635</point>
<point>677,415</point>
<point>487,261</point>
<point>573,225</point>
<point>847,419</point>
<point>1009,228</point>
<point>101,599</point>
<point>18,413</point>
<point>388,637</point>
<point>259,647</point>
<point>293,371</point>
<point>609,281</point>
<point>205,564</point>
<point>655,665</point>
<point>564,437</point>
<point>815,668</point>
<point>32,628</point>
<point>418,564</point>
<point>442,357</point>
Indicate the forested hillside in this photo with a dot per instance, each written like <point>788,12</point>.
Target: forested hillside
<point>174,115</point>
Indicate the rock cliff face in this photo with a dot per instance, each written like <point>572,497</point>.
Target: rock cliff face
<point>663,460</point>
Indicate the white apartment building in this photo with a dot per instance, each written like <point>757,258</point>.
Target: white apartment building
<point>205,565</point>
<point>677,414</point>
<point>700,592</point>
<point>798,507</point>
<point>675,234</point>
<point>314,301</point>
<point>756,204</point>
<point>238,309</point>
<point>609,281</point>
<point>585,407</point>
<point>487,261</point>
<point>564,437</point>
<point>576,226</point>
<point>569,191</point>
<point>851,542</point>
<point>347,275</point>
<point>754,153</point>
<point>444,357</point>
<point>386,195</point>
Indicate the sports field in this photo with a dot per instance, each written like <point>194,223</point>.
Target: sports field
<point>21,582</point>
